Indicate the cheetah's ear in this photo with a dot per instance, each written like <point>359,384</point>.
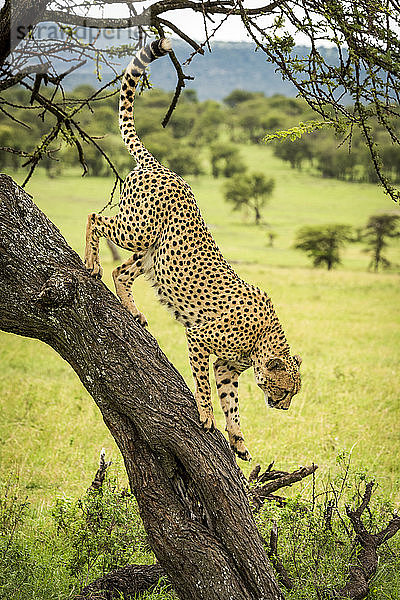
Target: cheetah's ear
<point>298,359</point>
<point>275,364</point>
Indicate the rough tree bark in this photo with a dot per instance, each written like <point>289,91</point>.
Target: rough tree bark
<point>190,492</point>
<point>16,14</point>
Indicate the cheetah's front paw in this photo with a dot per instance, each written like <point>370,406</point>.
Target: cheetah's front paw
<point>140,318</point>
<point>243,454</point>
<point>207,420</point>
<point>94,268</point>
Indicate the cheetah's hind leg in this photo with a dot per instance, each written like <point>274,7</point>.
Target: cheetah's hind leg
<point>198,358</point>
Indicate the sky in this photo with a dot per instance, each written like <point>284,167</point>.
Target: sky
<point>187,20</point>
<point>192,23</point>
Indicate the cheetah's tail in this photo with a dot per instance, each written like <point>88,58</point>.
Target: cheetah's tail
<point>130,79</point>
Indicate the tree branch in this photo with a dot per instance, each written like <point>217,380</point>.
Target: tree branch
<point>148,15</point>
<point>276,561</point>
<point>263,486</point>
<point>361,572</point>
<point>18,77</point>
<point>124,583</point>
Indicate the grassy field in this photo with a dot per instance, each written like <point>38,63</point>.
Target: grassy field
<point>345,324</point>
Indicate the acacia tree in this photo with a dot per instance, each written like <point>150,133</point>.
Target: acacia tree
<point>225,160</point>
<point>378,228</point>
<point>250,191</point>
<point>190,492</point>
<point>323,244</point>
<point>363,64</point>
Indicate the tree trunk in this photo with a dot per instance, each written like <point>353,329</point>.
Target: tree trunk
<point>17,17</point>
<point>190,492</point>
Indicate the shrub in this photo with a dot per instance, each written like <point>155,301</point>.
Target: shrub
<point>316,541</point>
<point>183,162</point>
<point>100,531</point>
<point>225,160</point>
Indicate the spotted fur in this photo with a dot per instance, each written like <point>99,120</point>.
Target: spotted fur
<point>160,223</point>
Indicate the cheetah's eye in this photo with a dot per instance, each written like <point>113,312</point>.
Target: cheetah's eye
<point>275,364</point>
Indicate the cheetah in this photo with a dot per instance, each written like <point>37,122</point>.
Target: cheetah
<point>160,223</point>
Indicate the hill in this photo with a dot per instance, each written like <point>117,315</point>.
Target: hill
<point>229,66</point>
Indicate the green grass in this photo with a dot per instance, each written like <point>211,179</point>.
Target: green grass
<point>344,323</point>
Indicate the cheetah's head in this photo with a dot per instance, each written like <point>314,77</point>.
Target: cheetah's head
<point>279,378</point>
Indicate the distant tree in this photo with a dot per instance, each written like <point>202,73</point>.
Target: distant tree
<point>378,228</point>
<point>323,243</point>
<point>147,120</point>
<point>332,161</point>
<point>253,118</point>
<point>97,165</point>
<point>155,99</point>
<point>238,96</point>
<point>190,96</point>
<point>294,152</point>
<point>7,138</point>
<point>251,123</point>
<point>161,144</point>
<point>391,159</point>
<point>83,90</point>
<point>209,122</point>
<point>289,106</point>
<point>225,160</point>
<point>183,162</point>
<point>182,122</point>
<point>249,191</point>
<point>52,166</point>
<point>358,234</point>
<point>274,119</point>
